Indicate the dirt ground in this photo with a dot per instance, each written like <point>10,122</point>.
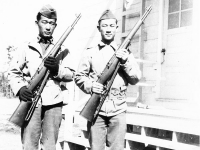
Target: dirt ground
<point>9,134</point>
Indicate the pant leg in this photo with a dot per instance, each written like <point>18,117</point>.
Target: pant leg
<point>98,133</point>
<point>30,133</point>
<point>50,127</point>
<point>116,132</point>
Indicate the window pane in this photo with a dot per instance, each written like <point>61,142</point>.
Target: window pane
<point>186,4</point>
<point>186,18</point>
<point>173,21</point>
<point>174,5</point>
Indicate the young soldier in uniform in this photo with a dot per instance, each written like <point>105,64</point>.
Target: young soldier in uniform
<point>109,128</point>
<point>45,122</point>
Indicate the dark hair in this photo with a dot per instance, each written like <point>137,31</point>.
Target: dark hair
<point>38,17</point>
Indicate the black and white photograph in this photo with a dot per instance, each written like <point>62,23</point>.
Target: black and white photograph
<point>100,75</point>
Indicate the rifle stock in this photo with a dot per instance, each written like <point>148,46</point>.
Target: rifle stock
<point>90,109</point>
<point>19,115</point>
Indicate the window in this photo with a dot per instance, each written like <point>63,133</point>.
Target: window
<point>180,13</point>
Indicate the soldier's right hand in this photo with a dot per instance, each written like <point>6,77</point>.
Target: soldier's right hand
<point>25,94</point>
<point>97,87</point>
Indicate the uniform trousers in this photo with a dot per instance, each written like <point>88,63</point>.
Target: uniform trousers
<point>108,132</point>
<point>43,128</point>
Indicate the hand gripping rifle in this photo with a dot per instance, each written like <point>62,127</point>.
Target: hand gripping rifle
<point>93,106</point>
<point>37,83</point>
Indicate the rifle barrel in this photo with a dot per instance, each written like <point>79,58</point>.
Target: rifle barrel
<point>25,110</point>
<point>90,109</point>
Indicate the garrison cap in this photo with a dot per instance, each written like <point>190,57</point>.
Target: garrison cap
<point>107,14</point>
<point>48,11</point>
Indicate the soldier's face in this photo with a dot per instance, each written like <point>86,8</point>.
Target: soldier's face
<point>46,27</point>
<point>108,28</point>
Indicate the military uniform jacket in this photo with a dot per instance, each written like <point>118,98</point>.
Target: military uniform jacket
<point>26,61</point>
<point>91,66</point>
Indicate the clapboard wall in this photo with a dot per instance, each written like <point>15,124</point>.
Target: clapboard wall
<point>171,78</point>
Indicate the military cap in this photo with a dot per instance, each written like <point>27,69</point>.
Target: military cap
<point>107,14</point>
<point>48,11</point>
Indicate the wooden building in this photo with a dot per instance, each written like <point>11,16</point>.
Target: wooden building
<point>164,107</point>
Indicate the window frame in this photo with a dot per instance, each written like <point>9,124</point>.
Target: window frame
<point>179,14</point>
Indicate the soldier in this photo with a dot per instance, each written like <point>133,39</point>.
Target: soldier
<point>43,126</point>
<point>109,127</point>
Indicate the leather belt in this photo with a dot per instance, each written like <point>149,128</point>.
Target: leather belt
<point>117,93</point>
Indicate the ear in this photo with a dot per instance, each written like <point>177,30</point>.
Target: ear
<point>117,27</point>
<point>36,22</point>
<point>98,27</point>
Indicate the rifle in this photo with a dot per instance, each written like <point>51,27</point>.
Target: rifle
<point>93,105</point>
<point>37,83</point>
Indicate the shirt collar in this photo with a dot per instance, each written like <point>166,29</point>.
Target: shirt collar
<point>112,44</point>
<point>45,41</point>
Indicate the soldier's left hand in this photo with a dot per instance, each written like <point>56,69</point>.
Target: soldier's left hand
<point>122,54</point>
<point>52,64</point>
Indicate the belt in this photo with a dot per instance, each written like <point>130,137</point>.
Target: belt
<point>117,93</point>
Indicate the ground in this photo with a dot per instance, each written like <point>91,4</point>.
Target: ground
<point>9,134</point>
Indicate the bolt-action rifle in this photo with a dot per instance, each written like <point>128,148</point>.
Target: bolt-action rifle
<point>37,83</point>
<point>93,106</point>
